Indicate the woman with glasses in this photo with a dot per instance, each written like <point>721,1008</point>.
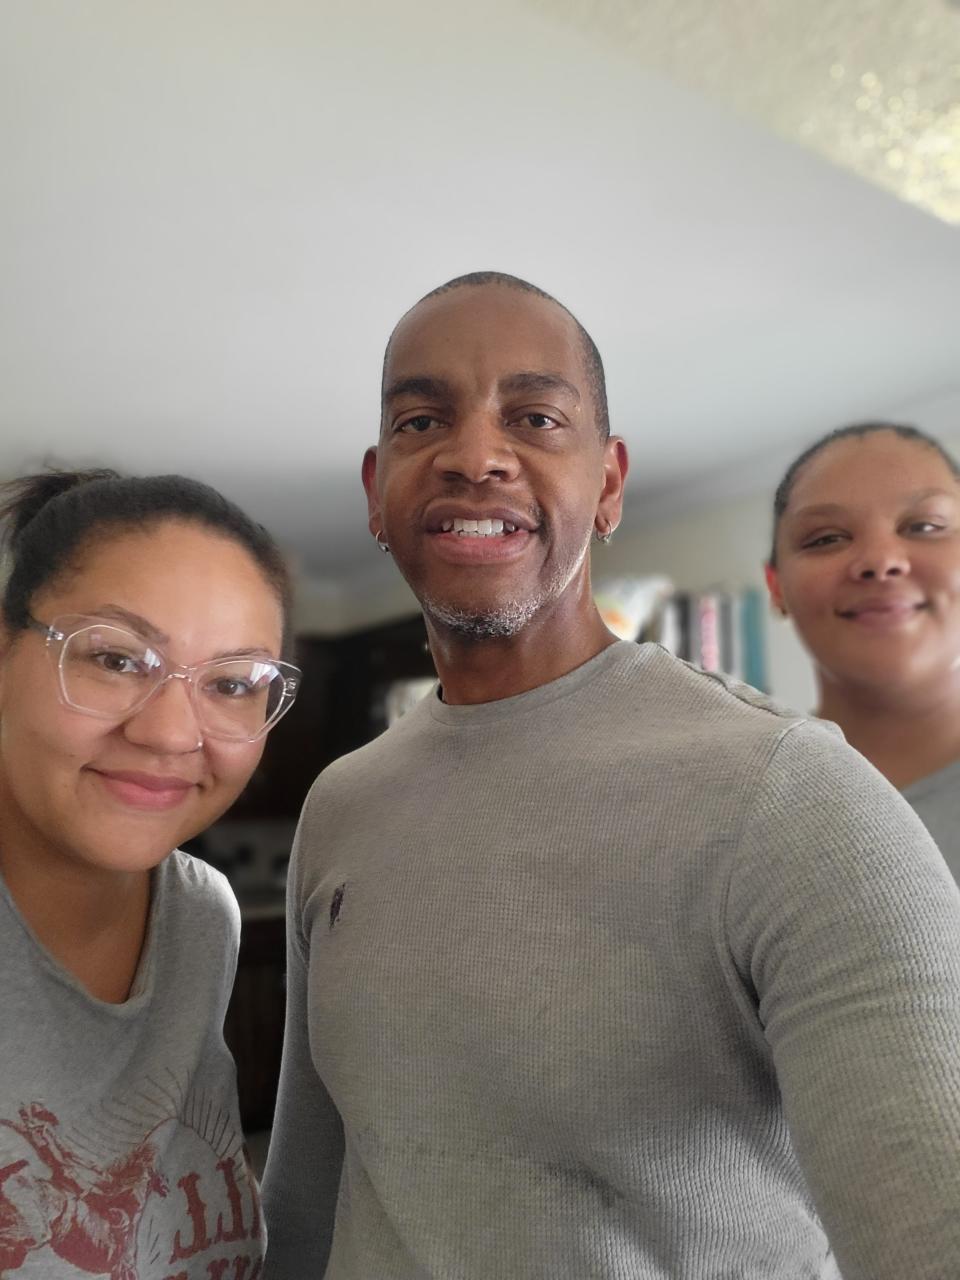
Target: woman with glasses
<point>866,562</point>
<point>141,633</point>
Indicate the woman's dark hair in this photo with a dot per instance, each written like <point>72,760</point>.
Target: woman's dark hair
<point>49,518</point>
<point>857,430</point>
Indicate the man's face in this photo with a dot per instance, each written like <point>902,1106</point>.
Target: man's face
<point>491,474</point>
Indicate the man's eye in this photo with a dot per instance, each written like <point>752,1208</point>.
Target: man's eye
<point>417,425</point>
<point>924,526</point>
<point>539,421</point>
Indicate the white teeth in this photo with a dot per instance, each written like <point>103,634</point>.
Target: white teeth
<point>477,528</point>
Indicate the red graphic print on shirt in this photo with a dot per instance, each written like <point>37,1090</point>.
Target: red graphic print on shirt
<point>129,1217</point>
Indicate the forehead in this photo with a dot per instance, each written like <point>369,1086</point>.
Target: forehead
<point>174,571</point>
<point>870,470</point>
<point>478,334</point>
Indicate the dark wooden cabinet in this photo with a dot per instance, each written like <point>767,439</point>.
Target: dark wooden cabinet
<point>339,708</point>
<point>254,1025</point>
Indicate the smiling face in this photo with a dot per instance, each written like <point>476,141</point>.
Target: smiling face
<point>868,564</point>
<point>121,796</point>
<point>491,474</point>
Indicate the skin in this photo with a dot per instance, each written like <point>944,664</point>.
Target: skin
<point>466,430</point>
<point>78,844</point>
<point>868,568</point>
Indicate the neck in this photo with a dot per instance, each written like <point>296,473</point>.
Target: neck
<point>906,734</point>
<point>92,921</point>
<point>552,644</point>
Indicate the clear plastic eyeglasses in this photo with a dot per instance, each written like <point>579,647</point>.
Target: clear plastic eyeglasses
<point>108,671</point>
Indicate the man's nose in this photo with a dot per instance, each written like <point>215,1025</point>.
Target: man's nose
<point>167,723</point>
<point>478,449</point>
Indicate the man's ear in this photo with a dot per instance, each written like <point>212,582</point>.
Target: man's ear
<point>615,467</point>
<point>774,589</point>
<point>368,473</point>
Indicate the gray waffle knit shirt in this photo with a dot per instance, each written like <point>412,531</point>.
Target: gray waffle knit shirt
<point>634,975</point>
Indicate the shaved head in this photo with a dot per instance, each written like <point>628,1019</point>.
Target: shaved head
<point>591,356</point>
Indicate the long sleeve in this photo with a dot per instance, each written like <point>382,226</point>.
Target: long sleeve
<point>844,921</point>
<point>302,1176</point>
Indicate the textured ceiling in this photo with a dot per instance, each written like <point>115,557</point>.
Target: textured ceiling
<point>212,214</point>
<point>872,85</point>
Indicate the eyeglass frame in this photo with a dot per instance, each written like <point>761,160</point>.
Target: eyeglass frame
<point>55,636</point>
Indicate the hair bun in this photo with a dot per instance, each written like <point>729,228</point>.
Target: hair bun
<point>25,498</point>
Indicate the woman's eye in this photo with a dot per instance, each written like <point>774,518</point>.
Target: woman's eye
<point>822,540</point>
<point>120,664</point>
<point>230,687</point>
<point>417,425</point>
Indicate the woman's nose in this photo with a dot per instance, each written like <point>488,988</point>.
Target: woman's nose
<point>167,723</point>
<point>880,561</point>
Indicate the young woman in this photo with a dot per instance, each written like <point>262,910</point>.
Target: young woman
<point>866,562</point>
<point>140,639</point>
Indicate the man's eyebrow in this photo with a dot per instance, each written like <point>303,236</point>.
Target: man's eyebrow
<point>530,381</point>
<point>418,385</point>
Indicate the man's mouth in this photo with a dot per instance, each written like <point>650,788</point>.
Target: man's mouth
<point>462,521</point>
<point>478,528</point>
<point>479,538</point>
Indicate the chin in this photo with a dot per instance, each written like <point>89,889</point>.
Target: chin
<point>477,622</point>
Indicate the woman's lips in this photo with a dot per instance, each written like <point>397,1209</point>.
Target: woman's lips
<point>883,614</point>
<point>149,791</point>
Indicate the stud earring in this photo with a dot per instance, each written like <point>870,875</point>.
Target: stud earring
<point>380,542</point>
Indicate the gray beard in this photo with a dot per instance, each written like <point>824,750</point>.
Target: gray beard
<point>503,620</point>
<point>494,624</point>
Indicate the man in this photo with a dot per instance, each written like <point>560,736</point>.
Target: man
<point>598,965</point>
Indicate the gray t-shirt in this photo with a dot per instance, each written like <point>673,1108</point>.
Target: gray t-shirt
<point>937,800</point>
<point>632,976</point>
<point>121,1154</point>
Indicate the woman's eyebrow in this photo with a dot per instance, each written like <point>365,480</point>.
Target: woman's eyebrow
<point>151,633</point>
<point>259,651</point>
<point>921,495</point>
<point>818,509</point>
<point>133,620</point>
<point>837,509</point>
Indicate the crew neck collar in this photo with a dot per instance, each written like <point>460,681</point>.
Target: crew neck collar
<point>616,654</point>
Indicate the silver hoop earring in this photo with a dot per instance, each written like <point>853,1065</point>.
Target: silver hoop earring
<point>380,542</point>
<point>603,537</point>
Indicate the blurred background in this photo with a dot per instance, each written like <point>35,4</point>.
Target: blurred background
<point>212,213</point>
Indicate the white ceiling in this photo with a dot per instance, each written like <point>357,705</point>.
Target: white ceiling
<point>213,212</point>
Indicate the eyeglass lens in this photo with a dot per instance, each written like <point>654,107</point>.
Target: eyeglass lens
<point>111,672</point>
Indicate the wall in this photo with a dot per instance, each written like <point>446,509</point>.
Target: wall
<point>697,545</point>
<point>718,545</point>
